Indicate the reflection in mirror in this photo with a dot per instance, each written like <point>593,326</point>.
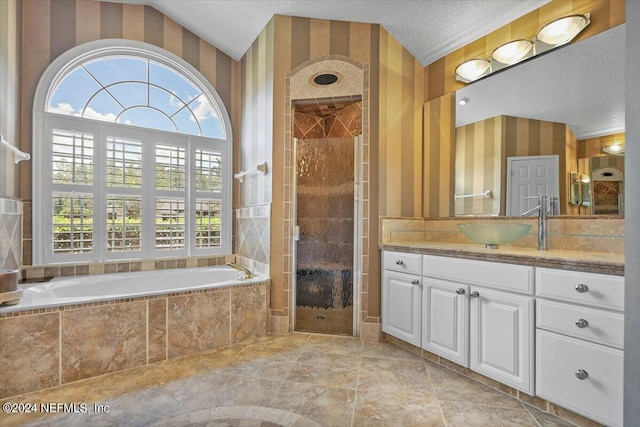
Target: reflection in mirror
<point>546,106</point>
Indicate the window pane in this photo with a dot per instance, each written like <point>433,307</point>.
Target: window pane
<point>170,226</point>
<point>208,213</point>
<point>164,100</point>
<point>102,107</point>
<point>186,122</point>
<point>72,223</point>
<point>208,170</point>
<point>124,163</point>
<point>72,154</point>
<point>147,118</point>
<point>112,69</point>
<point>129,94</point>
<point>124,223</point>
<point>170,167</point>
<point>72,93</point>
<point>167,78</point>
<point>207,116</point>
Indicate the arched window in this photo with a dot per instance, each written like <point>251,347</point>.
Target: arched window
<point>132,157</point>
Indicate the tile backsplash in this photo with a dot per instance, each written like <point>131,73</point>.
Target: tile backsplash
<point>10,234</point>
<point>253,237</point>
<point>602,233</point>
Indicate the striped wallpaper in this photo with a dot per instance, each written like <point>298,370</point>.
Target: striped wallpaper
<point>9,95</point>
<point>440,75</point>
<point>482,150</point>
<point>51,27</point>
<point>592,147</point>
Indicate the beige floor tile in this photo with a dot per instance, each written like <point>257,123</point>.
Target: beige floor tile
<point>334,344</point>
<point>325,405</point>
<point>394,374</point>
<point>463,414</point>
<point>546,419</point>
<point>385,350</point>
<point>327,369</point>
<point>378,407</point>
<point>453,387</point>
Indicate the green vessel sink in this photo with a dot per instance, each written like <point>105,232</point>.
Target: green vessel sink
<point>493,235</point>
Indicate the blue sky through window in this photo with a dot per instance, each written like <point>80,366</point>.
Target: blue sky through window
<point>136,91</point>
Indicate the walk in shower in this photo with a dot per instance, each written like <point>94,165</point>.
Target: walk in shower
<point>327,204</point>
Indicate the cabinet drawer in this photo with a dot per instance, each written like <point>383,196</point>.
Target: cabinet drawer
<point>599,326</point>
<point>402,262</point>
<point>515,278</point>
<point>598,290</point>
<point>599,396</point>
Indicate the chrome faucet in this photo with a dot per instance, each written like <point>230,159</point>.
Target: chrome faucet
<point>246,271</point>
<point>543,210</point>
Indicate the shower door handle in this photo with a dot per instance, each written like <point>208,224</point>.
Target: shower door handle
<point>296,233</point>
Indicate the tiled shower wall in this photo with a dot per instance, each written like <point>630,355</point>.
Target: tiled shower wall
<point>10,234</point>
<point>253,237</point>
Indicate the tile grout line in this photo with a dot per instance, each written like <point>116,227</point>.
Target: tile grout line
<point>355,394</point>
<point>435,393</point>
<point>535,420</point>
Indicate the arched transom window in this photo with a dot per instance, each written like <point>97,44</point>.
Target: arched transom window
<point>133,155</point>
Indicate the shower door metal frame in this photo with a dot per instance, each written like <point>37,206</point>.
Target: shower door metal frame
<point>357,233</point>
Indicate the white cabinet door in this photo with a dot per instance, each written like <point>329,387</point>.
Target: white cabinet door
<point>401,306</point>
<point>445,320</point>
<point>501,330</point>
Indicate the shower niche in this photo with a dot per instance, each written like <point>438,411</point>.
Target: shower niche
<point>326,151</point>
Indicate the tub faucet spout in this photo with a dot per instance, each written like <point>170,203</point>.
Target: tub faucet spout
<point>246,271</point>
<point>543,210</point>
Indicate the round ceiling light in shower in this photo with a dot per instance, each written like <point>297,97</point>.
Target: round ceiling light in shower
<point>325,79</point>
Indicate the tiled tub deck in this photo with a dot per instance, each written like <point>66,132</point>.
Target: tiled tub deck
<point>48,347</point>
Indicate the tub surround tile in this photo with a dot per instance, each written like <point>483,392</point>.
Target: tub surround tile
<point>198,322</point>
<point>33,364</point>
<point>99,340</point>
<point>248,313</point>
<point>157,335</point>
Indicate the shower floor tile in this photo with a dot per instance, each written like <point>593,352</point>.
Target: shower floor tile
<point>295,380</point>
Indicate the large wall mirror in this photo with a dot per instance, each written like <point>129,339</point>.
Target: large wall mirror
<point>540,110</point>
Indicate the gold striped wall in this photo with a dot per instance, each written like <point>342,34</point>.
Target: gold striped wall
<point>51,27</point>
<point>438,156</point>
<point>482,149</point>
<point>440,75</point>
<point>9,95</point>
<point>400,130</point>
<point>592,147</point>
<point>256,132</point>
<point>479,166</point>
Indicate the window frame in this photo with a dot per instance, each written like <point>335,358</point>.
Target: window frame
<point>43,188</point>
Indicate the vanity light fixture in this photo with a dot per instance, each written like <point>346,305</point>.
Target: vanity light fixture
<point>552,35</point>
<point>472,70</point>
<point>563,30</point>
<point>615,149</point>
<point>513,52</point>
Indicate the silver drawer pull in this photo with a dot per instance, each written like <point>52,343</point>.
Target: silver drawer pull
<point>460,291</point>
<point>415,282</point>
<point>399,262</point>
<point>582,323</point>
<point>582,288</point>
<point>581,374</point>
<point>474,294</point>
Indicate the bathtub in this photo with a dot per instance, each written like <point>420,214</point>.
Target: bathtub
<point>79,327</point>
<point>63,291</point>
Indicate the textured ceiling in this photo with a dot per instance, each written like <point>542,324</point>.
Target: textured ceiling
<point>581,84</point>
<point>429,29</point>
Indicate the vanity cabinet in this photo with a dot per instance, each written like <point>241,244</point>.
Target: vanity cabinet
<point>480,314</point>
<point>579,342</point>
<point>402,296</point>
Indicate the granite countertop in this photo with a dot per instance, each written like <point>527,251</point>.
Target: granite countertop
<point>593,262</point>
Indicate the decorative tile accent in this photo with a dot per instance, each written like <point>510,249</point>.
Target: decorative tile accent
<point>10,234</point>
<point>253,237</point>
